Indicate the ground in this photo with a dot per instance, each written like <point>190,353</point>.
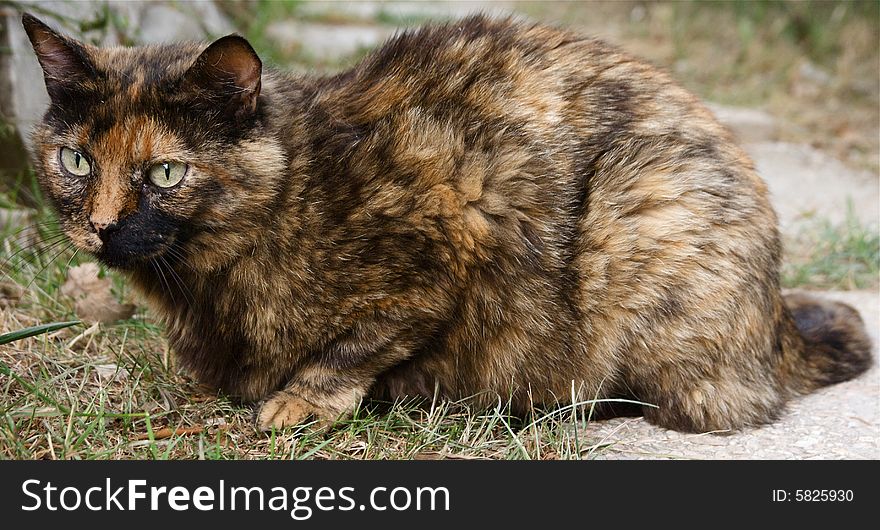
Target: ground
<point>799,86</point>
<point>838,422</point>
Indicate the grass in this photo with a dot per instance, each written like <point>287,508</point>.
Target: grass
<point>110,391</point>
<point>32,331</point>
<point>826,255</point>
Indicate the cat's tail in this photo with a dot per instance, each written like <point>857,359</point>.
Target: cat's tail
<point>836,346</point>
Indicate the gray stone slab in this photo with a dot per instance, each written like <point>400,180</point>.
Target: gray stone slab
<point>805,182</point>
<point>326,42</point>
<point>144,22</point>
<point>837,422</point>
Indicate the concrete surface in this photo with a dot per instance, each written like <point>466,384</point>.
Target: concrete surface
<point>805,182</point>
<point>748,125</point>
<point>397,10</point>
<point>837,422</point>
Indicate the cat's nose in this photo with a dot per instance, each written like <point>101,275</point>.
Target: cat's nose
<point>103,226</point>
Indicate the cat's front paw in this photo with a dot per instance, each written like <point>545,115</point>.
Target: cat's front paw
<point>284,409</point>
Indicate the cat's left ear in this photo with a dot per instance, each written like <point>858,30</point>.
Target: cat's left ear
<point>65,61</point>
<point>228,71</point>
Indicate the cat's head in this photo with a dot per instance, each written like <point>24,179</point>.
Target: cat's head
<point>157,150</point>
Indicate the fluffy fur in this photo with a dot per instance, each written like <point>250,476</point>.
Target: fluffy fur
<point>483,208</point>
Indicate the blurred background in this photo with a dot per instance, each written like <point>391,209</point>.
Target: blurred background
<point>797,82</point>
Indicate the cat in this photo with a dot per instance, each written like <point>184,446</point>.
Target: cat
<point>486,209</point>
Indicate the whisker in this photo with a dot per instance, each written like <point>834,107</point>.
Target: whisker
<point>62,251</point>
<point>187,295</point>
<point>175,251</point>
<point>41,232</point>
<point>44,237</point>
<point>37,224</point>
<point>53,237</point>
<point>67,265</point>
<point>165,286</point>
<point>34,231</point>
<point>37,252</point>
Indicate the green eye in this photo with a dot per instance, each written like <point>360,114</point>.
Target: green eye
<point>167,174</point>
<point>75,162</point>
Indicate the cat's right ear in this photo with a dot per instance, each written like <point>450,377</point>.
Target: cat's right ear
<point>228,72</point>
<point>64,60</point>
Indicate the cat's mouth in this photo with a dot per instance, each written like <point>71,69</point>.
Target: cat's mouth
<point>131,244</point>
<point>130,253</point>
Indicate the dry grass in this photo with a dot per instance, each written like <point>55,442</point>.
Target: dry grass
<point>104,392</point>
<point>111,391</point>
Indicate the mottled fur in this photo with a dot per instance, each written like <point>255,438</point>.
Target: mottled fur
<point>486,208</point>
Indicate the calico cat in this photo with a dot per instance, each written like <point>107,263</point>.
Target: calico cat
<point>487,208</point>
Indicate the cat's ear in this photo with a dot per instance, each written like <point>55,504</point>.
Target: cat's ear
<point>64,61</point>
<point>228,71</point>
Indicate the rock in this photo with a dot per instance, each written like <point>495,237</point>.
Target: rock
<point>175,21</point>
<point>325,42</point>
<point>365,24</point>
<point>402,11</point>
<point>22,96</point>
<point>808,71</point>
<point>748,125</point>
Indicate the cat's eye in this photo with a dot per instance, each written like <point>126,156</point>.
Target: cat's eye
<point>75,162</point>
<point>167,174</point>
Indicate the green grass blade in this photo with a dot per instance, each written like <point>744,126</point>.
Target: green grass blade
<point>35,330</point>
